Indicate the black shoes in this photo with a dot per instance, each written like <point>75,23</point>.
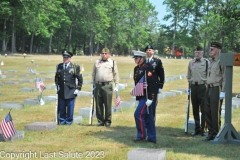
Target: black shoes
<point>139,140</point>
<point>209,138</point>
<point>195,133</point>
<point>199,133</point>
<point>102,124</point>
<point>99,124</point>
<point>203,134</point>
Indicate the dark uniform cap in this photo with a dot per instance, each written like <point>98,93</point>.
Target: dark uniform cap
<point>105,50</point>
<point>216,45</point>
<point>199,48</point>
<point>148,47</point>
<point>67,54</point>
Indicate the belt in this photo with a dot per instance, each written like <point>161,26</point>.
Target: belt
<point>104,83</point>
<point>197,83</point>
<point>213,85</point>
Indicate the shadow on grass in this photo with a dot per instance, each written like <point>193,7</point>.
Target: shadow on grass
<point>171,140</point>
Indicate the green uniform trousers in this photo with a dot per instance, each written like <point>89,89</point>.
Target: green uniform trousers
<point>213,110</point>
<point>103,98</point>
<point>197,98</point>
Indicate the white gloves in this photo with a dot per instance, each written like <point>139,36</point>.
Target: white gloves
<point>76,91</point>
<point>148,102</point>
<point>188,91</point>
<point>222,95</point>
<point>57,88</point>
<point>115,89</point>
<point>159,90</point>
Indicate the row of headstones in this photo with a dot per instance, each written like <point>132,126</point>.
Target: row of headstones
<point>235,105</point>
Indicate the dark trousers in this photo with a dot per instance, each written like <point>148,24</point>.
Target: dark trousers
<point>213,110</point>
<point>103,98</point>
<point>66,109</point>
<point>145,121</point>
<point>154,104</point>
<point>197,98</point>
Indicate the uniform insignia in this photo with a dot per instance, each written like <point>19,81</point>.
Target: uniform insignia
<point>59,70</point>
<point>140,71</point>
<point>71,71</point>
<point>154,65</point>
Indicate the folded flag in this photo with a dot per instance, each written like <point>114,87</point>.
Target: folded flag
<point>138,90</point>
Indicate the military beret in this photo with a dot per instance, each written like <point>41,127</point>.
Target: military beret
<point>199,48</point>
<point>67,54</point>
<point>216,45</point>
<point>148,47</point>
<point>105,50</point>
<point>138,54</point>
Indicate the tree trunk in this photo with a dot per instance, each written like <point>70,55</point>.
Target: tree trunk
<point>70,38</point>
<point>4,36</point>
<point>91,43</point>
<point>31,43</point>
<point>58,44</point>
<point>13,47</point>
<point>174,32</point>
<point>50,45</point>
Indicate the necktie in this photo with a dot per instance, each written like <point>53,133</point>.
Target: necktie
<point>65,66</point>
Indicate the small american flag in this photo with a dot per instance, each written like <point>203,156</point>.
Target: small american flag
<point>30,70</point>
<point>138,90</point>
<point>41,86</point>
<point>7,127</point>
<point>118,100</point>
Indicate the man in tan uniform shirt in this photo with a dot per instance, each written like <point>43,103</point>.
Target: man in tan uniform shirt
<point>105,72</point>
<point>197,77</point>
<point>215,92</point>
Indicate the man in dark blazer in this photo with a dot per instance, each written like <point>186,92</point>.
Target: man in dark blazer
<point>68,80</point>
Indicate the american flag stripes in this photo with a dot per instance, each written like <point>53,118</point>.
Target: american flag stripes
<point>40,85</point>
<point>138,90</point>
<point>7,127</point>
<point>118,100</point>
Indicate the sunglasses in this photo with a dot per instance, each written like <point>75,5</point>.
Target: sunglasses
<point>103,53</point>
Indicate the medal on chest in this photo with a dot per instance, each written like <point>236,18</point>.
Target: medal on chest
<point>154,66</point>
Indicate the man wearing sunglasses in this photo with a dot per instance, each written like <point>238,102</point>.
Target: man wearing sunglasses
<point>215,91</point>
<point>67,89</point>
<point>197,77</point>
<point>105,72</point>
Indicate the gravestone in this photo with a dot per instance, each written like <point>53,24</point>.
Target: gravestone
<point>133,99</point>
<point>87,82</point>
<point>11,82</point>
<point>49,98</point>
<point>77,119</point>
<point>84,94</point>
<point>177,92</point>
<point>2,76</point>
<point>41,126</point>
<point>31,101</point>
<point>25,80</point>
<point>25,89</point>
<point>11,105</point>
<point>85,112</point>
<point>146,154</point>
<point>161,96</point>
<point>1,84</point>
<point>121,86</point>
<point>23,75</point>
<point>116,109</point>
<point>169,94</point>
<point>12,71</point>
<point>19,135</point>
<point>125,104</point>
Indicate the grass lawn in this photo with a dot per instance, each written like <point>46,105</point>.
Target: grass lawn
<point>91,142</point>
